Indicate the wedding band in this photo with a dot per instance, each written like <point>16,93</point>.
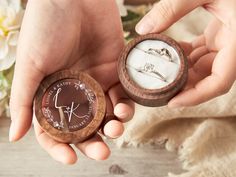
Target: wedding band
<point>160,52</point>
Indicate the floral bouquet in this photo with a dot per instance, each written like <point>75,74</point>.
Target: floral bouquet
<point>11,15</point>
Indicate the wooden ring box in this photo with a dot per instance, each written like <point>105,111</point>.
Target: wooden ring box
<point>152,97</point>
<point>70,106</point>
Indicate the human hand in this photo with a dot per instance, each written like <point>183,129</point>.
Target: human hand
<point>81,35</point>
<point>212,56</point>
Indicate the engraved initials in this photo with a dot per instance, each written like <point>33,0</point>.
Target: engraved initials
<point>69,110</point>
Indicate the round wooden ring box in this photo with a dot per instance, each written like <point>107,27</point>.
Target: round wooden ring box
<point>70,106</point>
<point>152,69</point>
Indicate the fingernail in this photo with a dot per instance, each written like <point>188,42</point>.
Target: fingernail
<point>64,159</point>
<point>123,115</point>
<point>174,105</point>
<point>120,114</point>
<point>143,27</point>
<point>11,132</point>
<point>12,127</point>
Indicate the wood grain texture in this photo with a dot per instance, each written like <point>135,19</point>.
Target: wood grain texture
<point>27,159</point>
<point>55,80</point>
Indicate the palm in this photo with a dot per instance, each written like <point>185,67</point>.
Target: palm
<point>99,48</point>
<point>204,51</point>
<point>209,56</point>
<point>78,44</point>
<point>101,45</point>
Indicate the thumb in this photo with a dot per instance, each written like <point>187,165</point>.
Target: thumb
<point>25,83</point>
<point>165,13</point>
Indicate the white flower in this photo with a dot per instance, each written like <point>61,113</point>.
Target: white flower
<point>122,8</point>
<point>11,14</point>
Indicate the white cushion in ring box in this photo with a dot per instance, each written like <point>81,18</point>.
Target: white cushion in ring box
<point>137,58</point>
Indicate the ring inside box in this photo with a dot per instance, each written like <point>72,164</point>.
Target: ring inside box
<point>153,64</point>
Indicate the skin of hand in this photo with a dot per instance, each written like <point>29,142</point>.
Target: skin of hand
<point>84,35</point>
<point>212,56</point>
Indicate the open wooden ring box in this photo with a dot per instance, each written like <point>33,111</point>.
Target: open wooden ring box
<point>152,69</point>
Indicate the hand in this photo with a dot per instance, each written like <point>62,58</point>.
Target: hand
<point>81,35</point>
<point>211,56</point>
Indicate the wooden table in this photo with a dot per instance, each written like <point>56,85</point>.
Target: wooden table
<point>27,159</point>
